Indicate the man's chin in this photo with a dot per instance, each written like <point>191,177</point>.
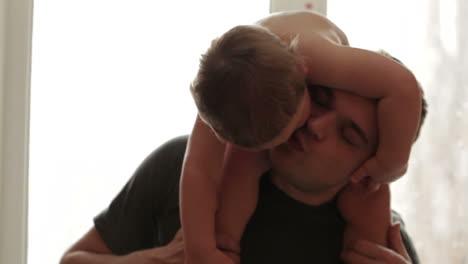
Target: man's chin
<point>311,192</point>
<point>311,195</point>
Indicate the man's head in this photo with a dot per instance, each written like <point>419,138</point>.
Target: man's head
<point>248,86</point>
<point>340,135</point>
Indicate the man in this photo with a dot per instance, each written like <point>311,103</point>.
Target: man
<point>296,220</point>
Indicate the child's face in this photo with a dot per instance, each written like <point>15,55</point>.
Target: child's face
<point>298,120</point>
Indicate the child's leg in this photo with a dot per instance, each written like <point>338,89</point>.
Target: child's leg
<point>367,214</point>
<point>237,196</point>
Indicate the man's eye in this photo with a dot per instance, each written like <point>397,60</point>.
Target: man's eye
<point>319,99</point>
<point>348,136</point>
<point>319,102</point>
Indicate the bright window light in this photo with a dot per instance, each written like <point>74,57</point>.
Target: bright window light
<point>110,83</point>
<point>430,38</point>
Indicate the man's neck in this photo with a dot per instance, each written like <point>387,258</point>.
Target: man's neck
<point>311,197</point>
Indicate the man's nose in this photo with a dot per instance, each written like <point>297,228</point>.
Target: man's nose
<point>322,125</point>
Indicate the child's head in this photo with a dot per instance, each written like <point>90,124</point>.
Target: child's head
<point>249,86</point>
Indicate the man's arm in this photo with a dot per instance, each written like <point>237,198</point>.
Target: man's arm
<point>91,249</point>
<point>130,224</point>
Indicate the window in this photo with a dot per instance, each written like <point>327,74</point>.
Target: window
<point>110,83</point>
<point>430,38</point>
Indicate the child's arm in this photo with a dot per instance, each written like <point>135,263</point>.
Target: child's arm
<point>238,194</point>
<point>200,178</point>
<point>372,75</point>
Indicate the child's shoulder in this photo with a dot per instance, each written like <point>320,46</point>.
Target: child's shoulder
<point>289,16</point>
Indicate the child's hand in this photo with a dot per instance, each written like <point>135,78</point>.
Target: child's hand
<point>378,172</point>
<point>398,116</point>
<point>368,184</point>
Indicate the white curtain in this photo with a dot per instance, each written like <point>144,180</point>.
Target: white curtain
<point>431,38</point>
<point>439,177</point>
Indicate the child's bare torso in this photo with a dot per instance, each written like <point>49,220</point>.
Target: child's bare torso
<point>287,25</point>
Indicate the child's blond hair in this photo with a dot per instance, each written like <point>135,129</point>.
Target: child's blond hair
<point>248,86</point>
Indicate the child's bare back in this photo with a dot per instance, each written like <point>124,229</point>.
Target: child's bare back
<point>288,25</point>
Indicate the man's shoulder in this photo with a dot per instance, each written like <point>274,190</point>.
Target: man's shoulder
<point>173,147</point>
<point>163,165</point>
<point>396,217</point>
<point>145,212</point>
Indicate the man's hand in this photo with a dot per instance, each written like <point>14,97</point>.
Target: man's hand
<point>173,253</point>
<point>364,252</point>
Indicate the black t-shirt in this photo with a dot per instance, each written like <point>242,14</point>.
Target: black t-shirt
<point>145,214</point>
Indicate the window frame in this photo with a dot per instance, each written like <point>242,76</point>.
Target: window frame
<point>15,72</point>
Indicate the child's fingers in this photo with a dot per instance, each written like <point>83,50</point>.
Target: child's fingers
<point>358,175</point>
<point>373,186</point>
<point>368,168</point>
<point>373,169</point>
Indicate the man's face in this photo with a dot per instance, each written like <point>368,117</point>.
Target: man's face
<point>339,136</point>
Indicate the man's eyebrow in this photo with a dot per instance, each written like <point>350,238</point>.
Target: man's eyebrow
<point>360,132</point>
